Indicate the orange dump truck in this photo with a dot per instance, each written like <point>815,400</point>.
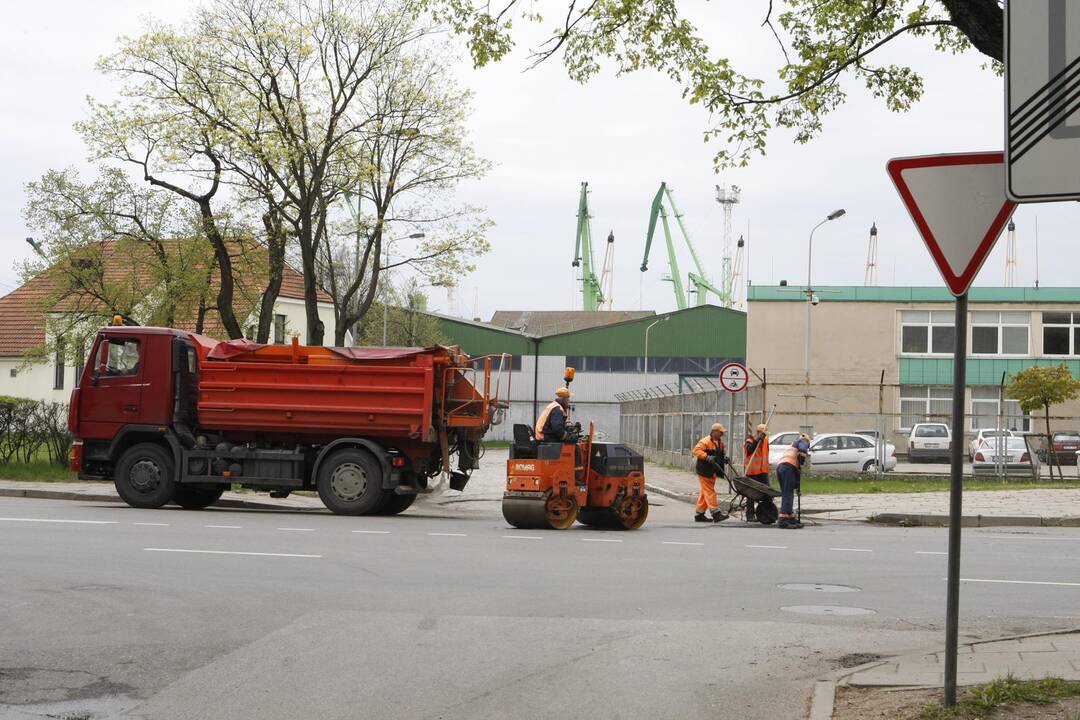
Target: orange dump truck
<point>171,416</point>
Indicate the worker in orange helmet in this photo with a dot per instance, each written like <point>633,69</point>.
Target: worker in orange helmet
<point>551,425</point>
<point>756,457</point>
<point>711,458</point>
<point>789,473</point>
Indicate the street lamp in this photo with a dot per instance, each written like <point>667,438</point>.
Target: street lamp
<point>386,262</point>
<point>647,329</point>
<point>811,300</point>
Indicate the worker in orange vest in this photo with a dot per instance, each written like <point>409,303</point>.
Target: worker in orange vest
<point>756,457</point>
<point>710,456</point>
<point>551,425</point>
<point>788,472</point>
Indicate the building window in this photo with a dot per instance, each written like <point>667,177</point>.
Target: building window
<point>80,362</point>
<point>58,365</point>
<point>925,332</point>
<point>279,329</point>
<point>985,408</point>
<point>14,372</point>
<point>1000,333</point>
<point>1061,333</point>
<point>923,403</point>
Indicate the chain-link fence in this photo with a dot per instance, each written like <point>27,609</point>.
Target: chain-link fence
<point>665,422</point>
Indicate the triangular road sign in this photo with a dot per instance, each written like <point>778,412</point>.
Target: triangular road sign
<point>958,204</point>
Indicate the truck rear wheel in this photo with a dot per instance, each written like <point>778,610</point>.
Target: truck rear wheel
<point>196,498</point>
<point>396,504</point>
<point>350,483</point>
<point>144,476</point>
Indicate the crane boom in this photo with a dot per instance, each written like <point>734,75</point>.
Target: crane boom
<point>591,294</point>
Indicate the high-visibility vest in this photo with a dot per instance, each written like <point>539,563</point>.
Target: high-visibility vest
<point>542,420</point>
<point>790,457</point>
<point>702,453</point>
<point>757,463</point>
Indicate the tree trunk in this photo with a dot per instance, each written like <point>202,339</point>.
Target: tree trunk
<point>275,244</point>
<point>315,328</point>
<point>1050,446</point>
<point>983,22</point>
<point>225,272</point>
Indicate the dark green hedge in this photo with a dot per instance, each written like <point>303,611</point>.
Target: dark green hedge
<point>32,429</point>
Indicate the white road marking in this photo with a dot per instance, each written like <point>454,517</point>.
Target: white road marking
<point>448,534</point>
<point>769,547</point>
<point>851,550</point>
<point>673,542</point>
<point>1021,582</point>
<point>153,524</point>
<point>225,527</point>
<point>599,540</point>
<point>1032,537</point>
<point>523,537</point>
<point>373,532</point>
<point>230,552</point>
<point>930,552</point>
<point>50,520</point>
<point>298,529</point>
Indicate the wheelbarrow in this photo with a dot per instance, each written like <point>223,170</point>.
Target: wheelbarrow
<point>744,489</point>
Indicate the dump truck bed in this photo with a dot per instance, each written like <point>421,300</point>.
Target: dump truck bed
<point>283,389</point>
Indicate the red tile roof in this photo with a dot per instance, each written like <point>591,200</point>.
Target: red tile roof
<point>22,322</point>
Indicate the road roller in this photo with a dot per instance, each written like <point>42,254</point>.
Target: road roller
<point>553,484</point>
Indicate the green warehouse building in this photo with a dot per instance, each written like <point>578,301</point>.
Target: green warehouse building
<point>608,351</point>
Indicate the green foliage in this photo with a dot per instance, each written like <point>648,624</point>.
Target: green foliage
<point>820,41</point>
<point>981,701</point>
<point>31,430</point>
<point>407,322</point>
<point>1038,388</point>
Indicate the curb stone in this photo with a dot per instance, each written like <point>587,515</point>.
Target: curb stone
<point>91,497</point>
<point>824,696</point>
<point>930,520</point>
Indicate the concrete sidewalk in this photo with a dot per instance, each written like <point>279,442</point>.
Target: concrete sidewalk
<point>982,508</point>
<point>1026,657</point>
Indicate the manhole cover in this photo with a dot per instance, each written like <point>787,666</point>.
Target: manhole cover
<point>819,587</point>
<point>828,610</point>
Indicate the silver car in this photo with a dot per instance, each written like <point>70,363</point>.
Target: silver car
<point>1015,455</point>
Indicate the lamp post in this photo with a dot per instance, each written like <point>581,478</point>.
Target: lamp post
<point>386,262</point>
<point>647,329</point>
<point>810,302</point>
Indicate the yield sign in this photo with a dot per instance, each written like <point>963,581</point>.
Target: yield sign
<point>958,204</point>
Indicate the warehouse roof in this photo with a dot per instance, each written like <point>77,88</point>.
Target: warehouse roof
<point>553,322</point>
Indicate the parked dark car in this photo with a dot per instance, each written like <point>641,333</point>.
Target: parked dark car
<point>1066,443</point>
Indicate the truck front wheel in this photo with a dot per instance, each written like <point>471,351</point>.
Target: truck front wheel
<point>350,483</point>
<point>144,476</point>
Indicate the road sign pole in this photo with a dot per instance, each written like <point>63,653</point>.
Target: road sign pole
<point>732,438</point>
<point>956,496</point>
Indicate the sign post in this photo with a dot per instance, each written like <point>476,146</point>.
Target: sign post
<point>958,204</point>
<point>734,378</point>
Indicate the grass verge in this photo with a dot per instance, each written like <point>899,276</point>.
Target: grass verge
<point>853,485</point>
<point>981,700</point>
<point>37,471</point>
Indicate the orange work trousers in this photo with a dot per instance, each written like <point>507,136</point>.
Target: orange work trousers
<point>707,497</point>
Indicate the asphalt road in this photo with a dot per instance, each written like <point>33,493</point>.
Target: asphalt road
<point>446,612</point>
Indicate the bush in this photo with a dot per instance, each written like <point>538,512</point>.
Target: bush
<point>30,428</point>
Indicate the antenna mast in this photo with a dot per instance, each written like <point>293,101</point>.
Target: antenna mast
<point>729,272</point>
<point>1012,262</point>
<point>870,277</point>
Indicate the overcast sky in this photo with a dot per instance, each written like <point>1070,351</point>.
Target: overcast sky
<point>624,136</point>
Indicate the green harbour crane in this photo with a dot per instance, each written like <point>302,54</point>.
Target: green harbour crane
<point>699,283</point>
<point>595,291</point>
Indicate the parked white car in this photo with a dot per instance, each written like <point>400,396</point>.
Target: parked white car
<point>987,438</point>
<point>847,452</point>
<point>929,441</point>
<point>1016,457</point>
<point>780,442</point>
